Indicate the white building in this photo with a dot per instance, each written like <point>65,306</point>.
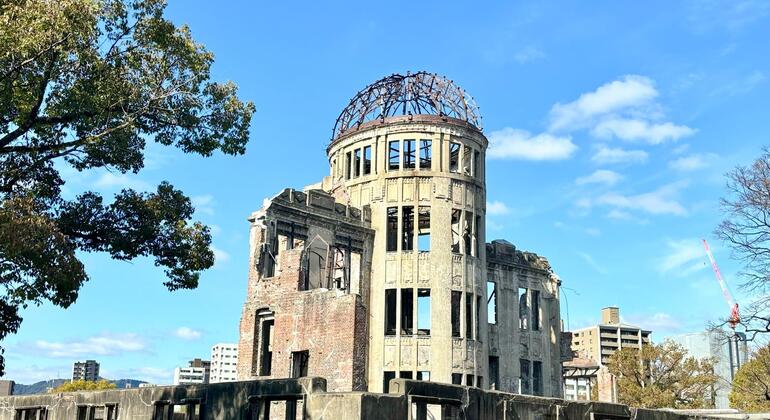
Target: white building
<point>717,345</point>
<point>224,360</point>
<point>198,372</point>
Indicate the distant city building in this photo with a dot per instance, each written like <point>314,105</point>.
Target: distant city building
<point>224,361</point>
<point>146,385</point>
<point>198,372</point>
<point>6,388</point>
<point>85,371</point>
<point>719,345</point>
<point>593,347</point>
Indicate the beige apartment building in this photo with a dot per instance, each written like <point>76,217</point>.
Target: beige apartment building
<point>382,270</point>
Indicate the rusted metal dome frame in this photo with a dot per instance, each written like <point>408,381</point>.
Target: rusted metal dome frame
<point>411,94</point>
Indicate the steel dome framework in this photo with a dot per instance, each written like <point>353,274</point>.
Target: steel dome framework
<point>420,93</point>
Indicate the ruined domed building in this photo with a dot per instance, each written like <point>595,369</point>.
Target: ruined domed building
<point>382,270</point>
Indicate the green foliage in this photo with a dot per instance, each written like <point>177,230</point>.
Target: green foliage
<point>81,385</point>
<point>663,376</point>
<point>751,386</point>
<point>85,84</point>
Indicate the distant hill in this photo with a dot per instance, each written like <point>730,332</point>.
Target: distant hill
<point>42,386</point>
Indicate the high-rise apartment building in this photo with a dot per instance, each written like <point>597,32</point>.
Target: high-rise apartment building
<point>197,372</point>
<point>224,362</point>
<point>85,371</point>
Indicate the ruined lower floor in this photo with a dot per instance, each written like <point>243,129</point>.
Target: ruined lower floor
<point>306,398</point>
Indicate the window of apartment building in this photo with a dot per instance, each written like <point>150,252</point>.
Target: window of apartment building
<point>535,298</point>
<point>467,155</point>
<point>394,155</point>
<point>410,152</point>
<point>407,228</point>
<point>469,316</point>
<point>386,377</point>
<point>367,160</point>
<point>456,302</point>
<point>299,363</point>
<point>423,311</point>
<point>494,372</point>
<point>456,216</point>
<point>423,375</point>
<point>357,163</point>
<point>467,232</point>
<point>407,311</point>
<point>537,377</point>
<point>524,379</point>
<point>390,312</point>
<point>426,155</point>
<point>454,157</point>
<point>457,379</point>
<point>348,165</point>
<point>492,302</point>
<point>423,229</point>
<point>523,309</point>
<point>392,229</point>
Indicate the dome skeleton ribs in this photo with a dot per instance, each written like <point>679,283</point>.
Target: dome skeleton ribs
<point>413,94</point>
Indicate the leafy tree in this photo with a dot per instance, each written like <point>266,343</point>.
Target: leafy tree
<point>663,375</point>
<point>751,386</point>
<point>85,84</point>
<point>82,385</point>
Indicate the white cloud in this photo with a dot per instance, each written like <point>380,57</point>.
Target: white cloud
<point>601,176</point>
<point>510,143</point>
<point>220,255</point>
<point>692,162</point>
<point>203,204</point>
<point>108,180</point>
<point>99,345</point>
<point>633,129</point>
<point>28,375</point>
<point>153,375</point>
<point>628,91</point>
<point>608,155</point>
<point>187,333</point>
<point>528,54</point>
<point>658,202</point>
<point>497,208</point>
<point>659,322</point>
<point>683,257</point>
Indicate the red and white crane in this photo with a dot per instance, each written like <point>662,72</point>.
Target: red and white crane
<point>735,316</point>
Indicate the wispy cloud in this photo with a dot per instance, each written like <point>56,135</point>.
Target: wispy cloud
<point>203,204</point>
<point>153,375</point>
<point>692,162</point>
<point>601,176</point>
<point>657,202</point>
<point>187,333</point>
<point>631,129</point>
<point>510,143</point>
<point>528,54</point>
<point>683,257</point>
<point>220,255</point>
<point>106,344</point>
<point>659,322</point>
<point>110,181</point>
<point>608,155</point>
<point>592,263</point>
<point>497,208</point>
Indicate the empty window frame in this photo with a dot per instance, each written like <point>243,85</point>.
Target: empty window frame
<point>299,363</point>
<point>32,413</point>
<point>423,229</point>
<point>534,298</point>
<point>467,156</point>
<point>423,375</point>
<point>476,163</point>
<point>456,302</point>
<point>357,163</point>
<point>476,241</point>
<point>454,157</point>
<point>270,250</point>
<point>390,312</point>
<point>386,377</point>
<point>348,165</point>
<point>469,316</point>
<point>367,160</point>
<point>407,228</point>
<point>537,377</point>
<point>456,234</point>
<point>392,229</point>
<point>266,324</point>
<point>478,318</point>
<point>494,372</point>
<point>410,154</point>
<point>423,311</point>
<point>523,309</point>
<point>315,264</point>
<point>467,232</point>
<point>405,374</point>
<point>469,380</point>
<point>394,155</point>
<point>407,311</point>
<point>457,379</point>
<point>106,412</point>
<point>491,303</point>
<point>426,155</point>
<point>524,379</point>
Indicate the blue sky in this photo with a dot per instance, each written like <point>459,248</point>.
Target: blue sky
<point>611,124</point>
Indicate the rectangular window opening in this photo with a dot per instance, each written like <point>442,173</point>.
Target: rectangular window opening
<point>423,229</point>
<point>426,155</point>
<point>392,229</point>
<point>456,216</point>
<point>494,372</point>
<point>467,155</point>
<point>467,229</point>
<point>469,379</point>
<point>423,311</point>
<point>523,309</point>
<point>537,377</point>
<point>476,229</point>
<point>478,318</point>
<point>535,298</point>
<point>407,228</point>
<point>423,375</point>
<point>266,345</point>
<point>348,165</point>
<point>386,377</point>
<point>456,302</point>
<point>407,311</point>
<point>394,155</point>
<point>357,163</point>
<point>454,157</point>
<point>476,168</point>
<point>405,374</point>
<point>525,376</point>
<point>457,379</point>
<point>491,303</point>
<point>409,154</point>
<point>469,316</point>
<point>367,160</point>
<point>299,363</point>
<point>390,312</point>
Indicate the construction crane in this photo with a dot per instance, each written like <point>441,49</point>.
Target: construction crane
<point>735,316</point>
